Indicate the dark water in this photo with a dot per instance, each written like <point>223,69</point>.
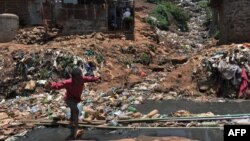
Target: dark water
<point>165,107</point>
<point>218,108</point>
<point>60,134</point>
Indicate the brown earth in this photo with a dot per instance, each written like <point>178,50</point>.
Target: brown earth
<point>115,73</point>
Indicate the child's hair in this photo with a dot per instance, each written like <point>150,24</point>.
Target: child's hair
<point>76,72</point>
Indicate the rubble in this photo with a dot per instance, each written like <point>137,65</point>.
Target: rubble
<point>36,35</point>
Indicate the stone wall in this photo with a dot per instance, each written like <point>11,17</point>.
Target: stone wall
<point>18,7</point>
<point>234,20</point>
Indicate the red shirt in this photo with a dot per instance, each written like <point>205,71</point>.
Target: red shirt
<point>73,92</point>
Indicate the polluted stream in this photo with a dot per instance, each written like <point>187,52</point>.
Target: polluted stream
<point>164,107</point>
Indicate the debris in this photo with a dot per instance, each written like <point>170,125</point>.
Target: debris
<point>143,74</point>
<point>3,116</point>
<point>181,113</point>
<point>230,66</point>
<point>17,136</point>
<point>152,113</point>
<point>41,82</point>
<point>132,109</point>
<point>36,35</point>
<point>31,85</point>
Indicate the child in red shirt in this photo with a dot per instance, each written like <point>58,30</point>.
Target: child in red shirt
<point>74,88</point>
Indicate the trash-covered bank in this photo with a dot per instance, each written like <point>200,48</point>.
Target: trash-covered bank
<point>225,72</point>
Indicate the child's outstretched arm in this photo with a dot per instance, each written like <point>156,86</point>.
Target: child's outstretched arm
<point>90,78</point>
<point>56,85</point>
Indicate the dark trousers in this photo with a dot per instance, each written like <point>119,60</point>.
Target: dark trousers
<point>74,114</point>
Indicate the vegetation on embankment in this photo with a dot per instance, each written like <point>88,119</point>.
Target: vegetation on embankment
<point>167,14</point>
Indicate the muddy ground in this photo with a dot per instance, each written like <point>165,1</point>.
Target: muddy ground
<point>131,71</point>
<point>119,55</point>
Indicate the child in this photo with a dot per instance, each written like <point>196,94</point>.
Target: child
<point>74,88</point>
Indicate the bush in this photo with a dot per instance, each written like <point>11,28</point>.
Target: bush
<point>144,59</point>
<point>163,13</point>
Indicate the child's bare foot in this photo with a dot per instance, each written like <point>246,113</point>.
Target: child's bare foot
<point>79,133</point>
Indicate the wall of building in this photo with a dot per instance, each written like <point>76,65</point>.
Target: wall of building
<point>234,20</point>
<point>18,7</point>
<point>81,18</point>
<point>75,18</point>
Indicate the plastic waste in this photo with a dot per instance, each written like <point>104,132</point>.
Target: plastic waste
<point>124,107</point>
<point>152,113</point>
<point>132,109</point>
<point>67,113</point>
<point>118,113</point>
<point>49,97</point>
<point>2,101</point>
<point>41,82</point>
<point>34,109</point>
<point>80,108</point>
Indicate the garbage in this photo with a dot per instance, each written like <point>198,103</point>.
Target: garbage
<point>34,109</point>
<point>41,82</point>
<point>3,116</point>
<point>35,35</point>
<point>17,136</point>
<point>31,85</point>
<point>181,113</point>
<point>209,124</point>
<point>137,115</point>
<point>153,113</point>
<point>142,74</point>
<point>132,109</point>
<point>229,66</point>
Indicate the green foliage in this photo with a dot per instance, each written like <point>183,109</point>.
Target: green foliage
<point>151,47</point>
<point>165,12</point>
<point>126,60</point>
<point>44,73</point>
<point>203,4</point>
<point>216,34</point>
<point>145,59</point>
<point>99,58</point>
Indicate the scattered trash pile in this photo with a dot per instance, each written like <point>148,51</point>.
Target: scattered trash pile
<point>32,70</point>
<point>36,35</point>
<point>197,33</point>
<point>186,119</point>
<point>105,109</point>
<point>39,35</point>
<point>225,73</point>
